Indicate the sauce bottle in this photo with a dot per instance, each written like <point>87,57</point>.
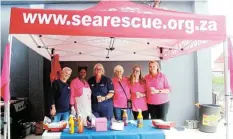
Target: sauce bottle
<point>125,117</point>
<point>71,124</point>
<point>140,119</point>
<point>80,125</point>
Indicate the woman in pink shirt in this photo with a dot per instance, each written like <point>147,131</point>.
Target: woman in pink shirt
<point>157,92</point>
<point>80,99</point>
<point>138,93</point>
<point>122,93</point>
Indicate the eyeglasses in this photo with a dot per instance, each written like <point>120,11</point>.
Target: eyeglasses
<point>136,70</point>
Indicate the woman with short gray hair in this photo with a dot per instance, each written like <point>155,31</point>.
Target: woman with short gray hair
<point>122,97</point>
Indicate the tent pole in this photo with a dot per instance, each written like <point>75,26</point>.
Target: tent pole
<point>52,56</point>
<point>8,104</point>
<point>52,53</point>
<point>227,86</point>
<point>5,120</point>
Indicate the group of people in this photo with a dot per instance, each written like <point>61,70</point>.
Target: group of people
<point>102,96</point>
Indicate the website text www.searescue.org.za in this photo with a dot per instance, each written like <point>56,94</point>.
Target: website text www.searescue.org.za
<point>189,26</point>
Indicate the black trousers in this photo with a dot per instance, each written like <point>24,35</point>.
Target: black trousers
<point>158,111</point>
<point>145,115</point>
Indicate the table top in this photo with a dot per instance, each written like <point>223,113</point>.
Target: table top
<point>169,134</point>
<point>130,132</point>
<point>51,135</point>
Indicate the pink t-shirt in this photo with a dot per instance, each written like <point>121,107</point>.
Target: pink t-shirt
<point>138,103</point>
<point>119,98</point>
<point>159,82</point>
<point>77,89</point>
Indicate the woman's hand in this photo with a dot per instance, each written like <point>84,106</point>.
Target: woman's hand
<point>101,98</point>
<point>140,95</point>
<point>53,111</point>
<point>154,91</point>
<point>73,112</point>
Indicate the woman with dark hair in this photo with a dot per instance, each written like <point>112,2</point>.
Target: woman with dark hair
<point>138,93</point>
<point>80,99</point>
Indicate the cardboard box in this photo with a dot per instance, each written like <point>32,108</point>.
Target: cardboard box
<point>101,124</point>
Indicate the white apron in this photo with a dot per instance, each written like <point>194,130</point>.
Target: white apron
<point>83,104</point>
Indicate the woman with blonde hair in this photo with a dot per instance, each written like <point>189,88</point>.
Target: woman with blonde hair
<point>138,92</point>
<point>121,98</point>
<point>102,93</point>
<point>60,96</point>
<point>158,91</point>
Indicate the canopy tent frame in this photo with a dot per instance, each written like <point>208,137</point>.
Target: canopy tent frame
<point>228,93</point>
<point>201,39</point>
<point>7,118</point>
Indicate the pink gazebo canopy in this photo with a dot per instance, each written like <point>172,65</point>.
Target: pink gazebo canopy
<point>115,31</point>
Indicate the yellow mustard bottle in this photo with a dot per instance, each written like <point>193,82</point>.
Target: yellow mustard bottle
<point>140,119</point>
<point>71,124</point>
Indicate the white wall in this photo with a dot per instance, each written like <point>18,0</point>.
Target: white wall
<point>180,72</point>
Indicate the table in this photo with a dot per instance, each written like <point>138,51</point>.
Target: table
<point>129,132</point>
<point>169,134</point>
<point>51,135</point>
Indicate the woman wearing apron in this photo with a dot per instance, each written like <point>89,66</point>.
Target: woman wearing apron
<point>157,92</point>
<point>80,99</point>
<point>138,93</point>
<point>102,93</point>
<point>121,93</point>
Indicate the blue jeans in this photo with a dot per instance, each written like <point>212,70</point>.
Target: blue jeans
<point>61,116</point>
<point>119,112</point>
